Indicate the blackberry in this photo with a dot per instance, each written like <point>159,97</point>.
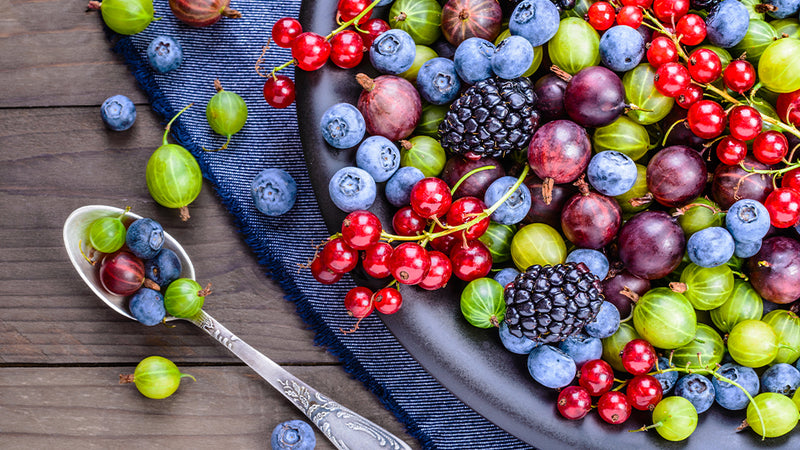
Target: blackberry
<point>491,118</point>
<point>550,303</point>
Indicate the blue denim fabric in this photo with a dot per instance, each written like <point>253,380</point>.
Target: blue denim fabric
<point>227,51</point>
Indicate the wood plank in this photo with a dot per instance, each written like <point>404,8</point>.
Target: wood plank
<point>57,159</point>
<point>227,407</point>
<point>55,53</point>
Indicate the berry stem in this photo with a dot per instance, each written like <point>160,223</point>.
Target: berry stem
<point>354,20</point>
<point>169,124</point>
<point>467,175</point>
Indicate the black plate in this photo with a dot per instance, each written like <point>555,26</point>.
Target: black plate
<point>471,362</point>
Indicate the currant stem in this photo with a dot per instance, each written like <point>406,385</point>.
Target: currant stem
<point>354,19</point>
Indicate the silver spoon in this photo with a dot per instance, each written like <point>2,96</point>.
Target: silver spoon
<point>344,428</point>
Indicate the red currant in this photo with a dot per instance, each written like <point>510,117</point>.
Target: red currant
<point>600,15</point>
<point>691,28</point>
<point>310,51</point>
<point>689,96</point>
<point>788,107</point>
<point>349,9</point>
<point>706,119</point>
<point>744,122</point>
<point>643,392</point>
<point>671,78</point>
<point>464,210</point>
<point>770,147</point>
<point>704,65</point>
<point>597,377</point>
<point>347,49</point>
<point>388,300</point>
<point>613,407</point>
<point>339,257</point>
<point>661,51</point>
<point>669,11</point>
<point>638,357</point>
<point>323,274</point>
<point>791,179</point>
<point>408,223</point>
<point>574,402</point>
<point>631,16</point>
<point>361,229</point>
<point>279,91</point>
<point>641,3</point>
<point>439,273</point>
<point>783,205</point>
<point>471,261</point>
<point>431,197</point>
<point>739,76</point>
<point>375,260</point>
<point>358,302</point>
<point>409,263</point>
<point>731,151</point>
<point>372,29</point>
<point>285,31</point>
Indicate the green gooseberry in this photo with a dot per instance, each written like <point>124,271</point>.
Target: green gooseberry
<point>537,243</point>
<point>127,16</point>
<point>623,135</point>
<point>226,113</point>
<point>421,19</point>
<point>675,418</point>
<point>779,67</point>
<point>575,46</point>
<point>497,239</point>
<point>706,288</point>
<point>432,116</point>
<point>753,343</point>
<point>173,175</point>
<point>754,13</point>
<point>156,377</point>
<point>759,35</point>
<point>640,91</point>
<point>705,351</point>
<point>786,326</point>
<point>538,53</point>
<point>638,191</point>
<point>184,298</point>
<point>779,415</point>
<point>425,153</point>
<point>665,318</point>
<point>744,303</point>
<point>700,213</point>
<point>422,55</point>
<point>790,27</point>
<point>482,303</point>
<point>107,234</point>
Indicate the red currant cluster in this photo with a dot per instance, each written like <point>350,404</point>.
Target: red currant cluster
<point>451,228</point>
<point>310,51</point>
<point>596,379</point>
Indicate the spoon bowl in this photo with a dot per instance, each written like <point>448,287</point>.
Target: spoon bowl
<point>343,427</point>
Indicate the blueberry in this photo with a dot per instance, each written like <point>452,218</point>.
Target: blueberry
<point>393,52</point>
<point>605,323</point>
<point>147,306</point>
<point>164,54</point>
<point>697,389</point>
<point>165,268</point>
<point>785,9</point>
<point>595,260</point>
<point>343,125</point>
<point>621,48</point>
<point>118,112</point>
<point>398,188</point>
<point>581,348</point>
<point>515,208</point>
<point>473,60</point>
<point>519,345</point>
<point>506,276</point>
<point>293,435</point>
<point>666,379</point>
<point>612,173</point>
<point>747,220</point>
<point>746,249</point>
<point>352,189</point>
<point>144,238</point>
<point>274,191</point>
<point>512,58</point>
<point>437,81</point>
<point>729,396</point>
<point>781,378</point>
<point>727,23</point>
<point>379,157</point>
<point>535,20</point>
<point>551,367</point>
<point>710,247</point>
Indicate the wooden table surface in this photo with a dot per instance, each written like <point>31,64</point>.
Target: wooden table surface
<point>61,348</point>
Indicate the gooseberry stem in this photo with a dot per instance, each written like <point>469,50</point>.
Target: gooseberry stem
<point>467,175</point>
<point>169,124</point>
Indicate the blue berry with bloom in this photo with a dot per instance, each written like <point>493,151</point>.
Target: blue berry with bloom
<point>274,191</point>
<point>582,348</point>
<point>293,435</point>
<point>473,60</point>
<point>398,188</point>
<point>352,189</point>
<point>551,367</point>
<point>165,268</point>
<point>343,125</point>
<point>697,389</point>
<point>512,58</point>
<point>595,260</point>
<point>710,247</point>
<point>612,173</point>
<point>164,54</point>
<point>118,112</point>
<point>730,396</point>
<point>519,345</point>
<point>379,157</point>
<point>437,81</point>
<point>535,20</point>
<point>747,220</point>
<point>147,306</point>
<point>145,238</point>
<point>393,52</point>
<point>505,276</point>
<point>781,378</point>
<point>605,323</point>
<point>516,206</point>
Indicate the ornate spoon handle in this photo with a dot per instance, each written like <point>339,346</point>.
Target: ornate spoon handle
<point>344,428</point>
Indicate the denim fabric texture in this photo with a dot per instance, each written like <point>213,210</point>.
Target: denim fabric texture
<point>227,51</point>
